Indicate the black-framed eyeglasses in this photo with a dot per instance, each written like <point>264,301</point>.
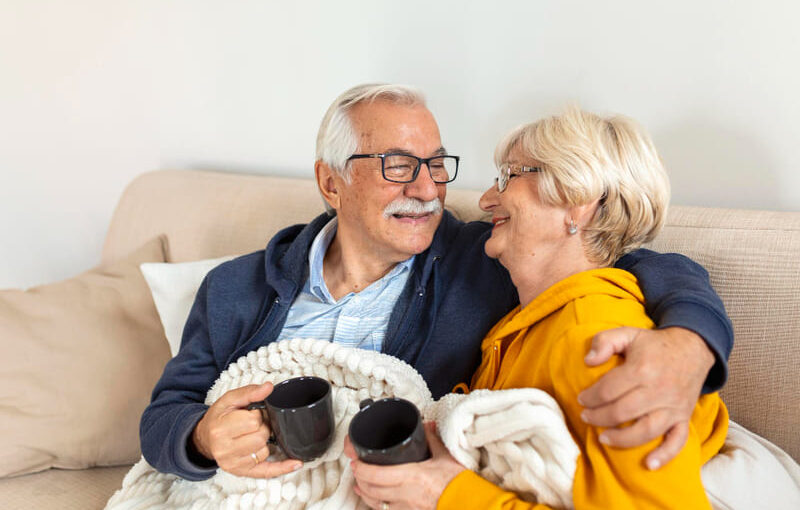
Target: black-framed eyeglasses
<point>404,168</point>
<point>507,171</point>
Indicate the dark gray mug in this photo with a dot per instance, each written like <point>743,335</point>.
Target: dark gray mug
<point>388,431</point>
<point>300,414</point>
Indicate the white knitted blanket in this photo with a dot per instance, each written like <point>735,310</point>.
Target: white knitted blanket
<point>327,482</point>
<point>515,438</point>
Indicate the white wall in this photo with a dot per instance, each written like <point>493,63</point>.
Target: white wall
<point>94,92</point>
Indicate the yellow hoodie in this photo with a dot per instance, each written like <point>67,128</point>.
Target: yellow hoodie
<point>543,346</point>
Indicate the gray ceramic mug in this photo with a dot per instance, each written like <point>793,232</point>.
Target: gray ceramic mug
<point>388,431</point>
<point>300,414</point>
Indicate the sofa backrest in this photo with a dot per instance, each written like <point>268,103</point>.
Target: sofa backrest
<point>211,214</point>
<point>753,258</point>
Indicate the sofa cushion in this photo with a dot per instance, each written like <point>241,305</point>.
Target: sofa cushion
<point>174,287</point>
<point>80,358</point>
<point>62,489</point>
<point>753,259</point>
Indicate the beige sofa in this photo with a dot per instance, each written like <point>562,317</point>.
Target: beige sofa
<point>753,258</point>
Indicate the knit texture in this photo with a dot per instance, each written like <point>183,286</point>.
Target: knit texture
<point>325,483</point>
<point>514,438</point>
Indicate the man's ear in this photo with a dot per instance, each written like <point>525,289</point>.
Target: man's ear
<point>327,182</point>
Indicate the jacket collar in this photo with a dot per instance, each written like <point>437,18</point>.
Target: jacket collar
<point>286,256</point>
<point>608,281</point>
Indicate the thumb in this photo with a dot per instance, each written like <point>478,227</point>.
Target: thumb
<point>242,397</point>
<point>434,441</point>
<point>349,451</point>
<point>609,342</point>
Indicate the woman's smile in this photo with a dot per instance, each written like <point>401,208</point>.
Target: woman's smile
<point>499,220</point>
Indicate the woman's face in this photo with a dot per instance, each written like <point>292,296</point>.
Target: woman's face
<point>526,233</point>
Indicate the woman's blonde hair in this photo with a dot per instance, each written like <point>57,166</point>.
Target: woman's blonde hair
<point>586,157</point>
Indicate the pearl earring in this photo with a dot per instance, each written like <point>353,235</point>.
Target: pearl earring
<point>573,228</point>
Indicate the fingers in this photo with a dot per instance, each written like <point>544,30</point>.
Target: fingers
<point>614,384</point>
<point>376,494</point>
<point>231,440</point>
<point>645,429</point>
<point>435,443</point>
<point>253,463</point>
<point>607,343</point>
<point>373,493</point>
<point>379,476</point>
<point>233,436</point>
<point>229,452</point>
<point>370,501</point>
<point>240,422</point>
<point>241,397</point>
<point>656,387</point>
<point>273,469</point>
<point>260,455</point>
<point>628,407</point>
<point>349,451</point>
<point>673,443</point>
<point>412,485</point>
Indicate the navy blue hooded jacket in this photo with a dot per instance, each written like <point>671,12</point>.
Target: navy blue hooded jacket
<point>454,295</point>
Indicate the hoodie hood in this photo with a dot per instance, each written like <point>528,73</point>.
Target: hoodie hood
<point>605,281</point>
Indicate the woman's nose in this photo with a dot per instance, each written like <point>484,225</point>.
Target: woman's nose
<point>489,198</point>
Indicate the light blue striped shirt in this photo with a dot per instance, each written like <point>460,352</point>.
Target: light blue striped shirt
<point>357,319</point>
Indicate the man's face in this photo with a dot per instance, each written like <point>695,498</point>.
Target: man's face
<point>385,127</point>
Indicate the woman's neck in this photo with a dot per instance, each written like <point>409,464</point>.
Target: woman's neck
<point>538,275</point>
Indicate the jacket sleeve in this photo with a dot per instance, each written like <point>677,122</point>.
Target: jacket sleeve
<point>677,292</point>
<point>605,476</point>
<point>469,491</point>
<point>177,403</point>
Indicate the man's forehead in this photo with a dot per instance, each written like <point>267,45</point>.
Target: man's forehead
<point>385,114</point>
<point>393,126</point>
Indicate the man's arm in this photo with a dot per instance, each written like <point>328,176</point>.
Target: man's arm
<point>183,436</point>
<point>177,403</point>
<point>678,293</point>
<point>665,369</point>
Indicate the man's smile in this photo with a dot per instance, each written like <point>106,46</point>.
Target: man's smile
<point>413,219</point>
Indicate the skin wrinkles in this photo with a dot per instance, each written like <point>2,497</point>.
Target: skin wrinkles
<point>530,237</point>
<point>368,244</point>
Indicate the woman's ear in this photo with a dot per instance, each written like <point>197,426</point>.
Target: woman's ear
<point>581,215</point>
<point>327,183</point>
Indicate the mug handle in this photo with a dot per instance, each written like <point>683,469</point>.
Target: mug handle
<point>261,405</point>
<point>253,406</point>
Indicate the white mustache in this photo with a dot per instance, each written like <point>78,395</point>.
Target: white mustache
<point>413,206</point>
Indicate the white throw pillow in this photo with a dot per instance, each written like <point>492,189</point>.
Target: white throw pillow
<point>174,287</point>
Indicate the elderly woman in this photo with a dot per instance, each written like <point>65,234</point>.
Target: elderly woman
<point>575,193</point>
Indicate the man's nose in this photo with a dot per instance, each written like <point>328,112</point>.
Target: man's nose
<point>488,200</point>
<point>423,186</point>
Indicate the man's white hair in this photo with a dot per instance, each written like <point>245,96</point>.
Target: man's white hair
<point>336,139</point>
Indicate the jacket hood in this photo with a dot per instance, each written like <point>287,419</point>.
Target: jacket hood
<point>608,281</point>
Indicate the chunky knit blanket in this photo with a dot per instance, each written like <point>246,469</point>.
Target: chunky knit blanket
<point>355,374</point>
<point>515,438</point>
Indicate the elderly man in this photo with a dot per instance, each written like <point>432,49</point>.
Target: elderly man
<point>391,271</point>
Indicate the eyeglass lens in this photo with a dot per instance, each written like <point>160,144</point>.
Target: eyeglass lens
<point>502,179</point>
<point>401,168</point>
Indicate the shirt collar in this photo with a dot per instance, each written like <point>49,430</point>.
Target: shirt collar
<point>316,256</point>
